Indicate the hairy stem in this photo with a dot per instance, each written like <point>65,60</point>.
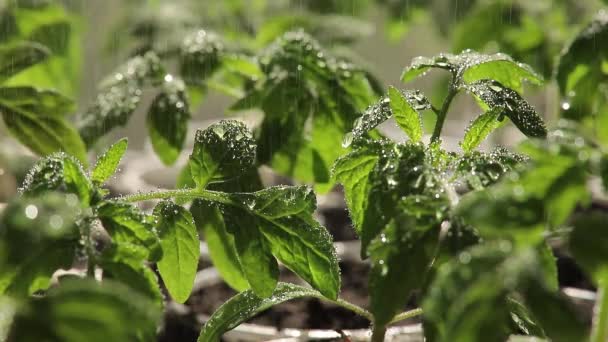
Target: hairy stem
<point>378,333</point>
<point>406,315</point>
<point>443,112</point>
<point>600,319</point>
<point>349,306</point>
<point>214,196</point>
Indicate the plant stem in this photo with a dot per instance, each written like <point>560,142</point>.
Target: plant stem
<point>214,196</point>
<point>600,319</point>
<point>442,114</point>
<point>349,306</point>
<point>406,315</point>
<point>378,333</point>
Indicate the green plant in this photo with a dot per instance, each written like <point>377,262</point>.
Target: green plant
<point>468,232</point>
<point>37,49</point>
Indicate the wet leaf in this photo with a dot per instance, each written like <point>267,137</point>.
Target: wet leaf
<point>119,96</point>
<point>107,163</point>
<point>283,216</point>
<point>259,266</point>
<point>406,114</point>
<point>246,305</point>
<point>222,249</point>
<point>473,66</point>
<point>479,129</point>
<point>223,151</point>
<point>36,119</point>
<point>180,243</point>
<point>168,120</point>
<point>511,104</point>
<point>58,172</point>
<point>127,224</point>
<point>580,70</point>
<point>309,100</point>
<point>20,56</point>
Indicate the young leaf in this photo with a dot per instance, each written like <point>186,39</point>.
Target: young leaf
<point>58,172</point>
<point>36,119</point>
<point>473,66</point>
<point>108,162</point>
<point>168,120</point>
<point>85,310</point>
<point>246,305</point>
<point>76,180</point>
<point>222,151</point>
<point>180,243</point>
<point>220,243</point>
<point>127,224</point>
<point>406,114</point>
<point>353,172</point>
<point>479,129</point>
<point>200,56</point>
<point>511,104</point>
<point>20,56</point>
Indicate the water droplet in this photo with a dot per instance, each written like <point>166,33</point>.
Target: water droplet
<point>31,211</point>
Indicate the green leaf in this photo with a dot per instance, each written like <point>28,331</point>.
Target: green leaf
<point>553,311</point>
<point>506,71</point>
<point>200,56</point>
<point>41,236</point>
<point>511,105</point>
<point>284,217</point>
<point>220,243</point>
<point>119,97</point>
<point>246,305</point>
<point>242,65</point>
<point>168,120</point>
<point>108,162</point>
<point>259,266</point>
<point>127,224</point>
<point>20,56</point>
<point>353,172</point>
<point>479,129</point>
<point>223,151</point>
<point>472,296</point>
<point>308,109</point>
<point>126,263</point>
<point>589,243</point>
<point>77,181</point>
<point>501,212</point>
<point>473,66</point>
<point>85,310</point>
<point>406,115</point>
<point>180,243</point>
<point>580,70</point>
<point>467,299</point>
<point>36,120</point>
<point>523,319</point>
<point>58,172</point>
<point>44,102</point>
<point>391,279</point>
